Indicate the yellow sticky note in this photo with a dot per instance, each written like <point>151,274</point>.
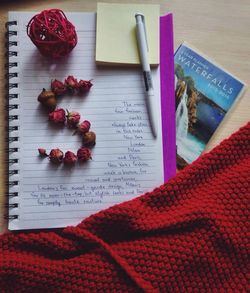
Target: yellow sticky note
<point>116,33</point>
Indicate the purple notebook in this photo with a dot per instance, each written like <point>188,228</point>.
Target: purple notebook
<point>167,95</point>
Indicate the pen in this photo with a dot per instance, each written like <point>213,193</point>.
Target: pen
<point>143,52</point>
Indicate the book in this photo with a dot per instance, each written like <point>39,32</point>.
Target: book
<point>204,93</point>
<point>126,160</point>
<point>116,34</point>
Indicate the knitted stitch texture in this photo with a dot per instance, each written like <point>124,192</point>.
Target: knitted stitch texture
<point>188,235</point>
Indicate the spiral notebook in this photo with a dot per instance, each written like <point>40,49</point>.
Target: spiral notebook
<point>126,160</point>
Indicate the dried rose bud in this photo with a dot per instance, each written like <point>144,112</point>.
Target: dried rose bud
<point>47,99</point>
<point>42,152</point>
<point>89,139</point>
<point>56,156</point>
<point>58,87</point>
<point>84,154</point>
<point>73,119</point>
<point>84,126</point>
<point>71,83</point>
<point>57,116</point>
<point>70,158</point>
<point>84,85</point>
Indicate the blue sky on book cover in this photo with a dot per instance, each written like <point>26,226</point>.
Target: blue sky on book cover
<point>208,92</point>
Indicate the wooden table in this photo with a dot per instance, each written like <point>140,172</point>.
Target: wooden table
<point>219,28</point>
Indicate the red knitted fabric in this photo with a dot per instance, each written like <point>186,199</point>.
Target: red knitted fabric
<point>189,235</point>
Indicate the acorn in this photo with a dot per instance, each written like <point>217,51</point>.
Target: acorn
<point>48,99</point>
<point>89,139</point>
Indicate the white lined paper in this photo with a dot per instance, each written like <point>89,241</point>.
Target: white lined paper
<point>127,160</point>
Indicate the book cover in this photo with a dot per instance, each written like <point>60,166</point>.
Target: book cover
<point>204,93</point>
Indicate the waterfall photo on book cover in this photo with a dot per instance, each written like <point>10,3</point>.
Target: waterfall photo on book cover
<point>204,93</point>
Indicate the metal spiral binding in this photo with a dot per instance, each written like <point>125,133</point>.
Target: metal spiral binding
<point>12,194</point>
<point>12,74</point>
<point>13,117</point>
<point>12,205</point>
<point>11,53</point>
<point>12,96</point>
<point>10,106</point>
<point>10,64</point>
<point>9,44</point>
<point>11,139</point>
<point>12,128</point>
<point>13,172</point>
<point>12,150</point>
<point>11,217</point>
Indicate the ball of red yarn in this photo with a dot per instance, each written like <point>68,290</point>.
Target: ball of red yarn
<point>52,33</point>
